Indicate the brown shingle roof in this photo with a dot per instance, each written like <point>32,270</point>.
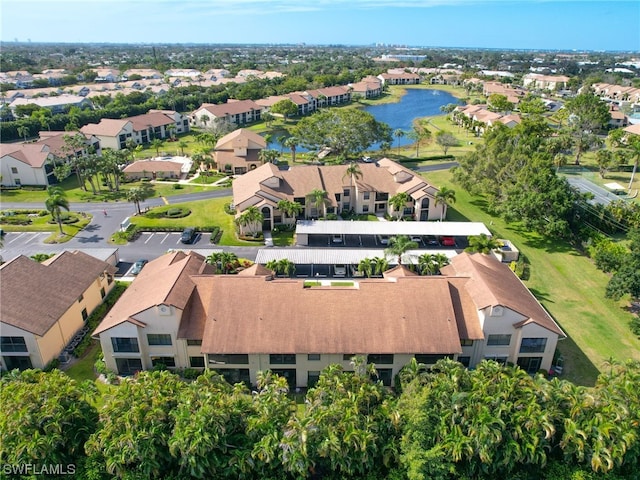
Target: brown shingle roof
<point>231,108</point>
<point>256,315</point>
<point>165,280</point>
<point>153,166</point>
<point>153,119</point>
<point>35,295</point>
<point>108,127</point>
<point>493,283</point>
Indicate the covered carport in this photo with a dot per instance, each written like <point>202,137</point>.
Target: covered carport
<point>345,233</point>
<point>322,262</point>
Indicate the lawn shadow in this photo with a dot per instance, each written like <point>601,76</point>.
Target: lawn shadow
<point>578,368</point>
<point>542,242</point>
<point>542,297</point>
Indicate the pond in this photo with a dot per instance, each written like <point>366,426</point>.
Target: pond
<point>416,103</point>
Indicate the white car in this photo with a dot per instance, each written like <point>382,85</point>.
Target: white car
<point>336,238</point>
<point>416,238</point>
<point>384,239</point>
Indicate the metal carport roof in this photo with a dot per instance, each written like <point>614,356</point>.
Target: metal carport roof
<point>348,227</point>
<point>337,256</point>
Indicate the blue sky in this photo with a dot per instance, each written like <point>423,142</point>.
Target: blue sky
<point>531,24</point>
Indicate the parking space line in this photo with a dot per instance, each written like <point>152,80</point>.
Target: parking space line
<point>165,237</point>
<point>150,237</point>
<point>19,235</point>
<point>34,236</point>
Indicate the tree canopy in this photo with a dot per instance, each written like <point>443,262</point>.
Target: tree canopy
<point>346,131</point>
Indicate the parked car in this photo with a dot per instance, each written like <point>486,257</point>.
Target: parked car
<point>137,267</point>
<point>336,238</point>
<point>340,270</point>
<point>188,235</point>
<point>448,241</point>
<point>417,239</point>
<point>383,239</point>
<point>431,241</point>
<point>367,159</point>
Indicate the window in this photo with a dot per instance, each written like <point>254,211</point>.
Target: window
<point>16,362</point>
<point>466,343</point>
<point>530,364</point>
<point>299,200</point>
<point>282,359</point>
<point>102,292</point>
<point>313,357</point>
<point>194,343</point>
<point>464,361</point>
<point>17,181</point>
<point>128,366</point>
<point>158,339</point>
<point>14,170</point>
<point>235,375</point>
<point>365,195</point>
<point>312,378</point>
<point>347,357</point>
<point>380,358</point>
<point>85,315</point>
<point>430,359</point>
<point>533,345</point>
<point>365,208</point>
<point>407,211</point>
<point>196,362</point>
<point>13,344</point>
<point>239,359</point>
<point>166,361</point>
<point>123,344</point>
<point>338,196</point>
<point>501,359</point>
<point>498,340</point>
<point>346,192</point>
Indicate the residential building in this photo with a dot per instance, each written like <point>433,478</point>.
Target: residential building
<point>114,133</point>
<point>237,112</point>
<point>368,87</point>
<point>328,96</point>
<point>399,78</point>
<point>239,151</point>
<point>545,82</point>
<point>44,305</point>
<point>57,104</point>
<point>153,169</point>
<point>33,163</point>
<point>266,185</point>
<point>177,313</point>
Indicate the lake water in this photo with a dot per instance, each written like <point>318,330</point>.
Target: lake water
<point>416,103</point>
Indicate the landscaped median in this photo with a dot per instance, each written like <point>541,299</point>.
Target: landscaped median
<point>35,220</point>
<point>203,215</point>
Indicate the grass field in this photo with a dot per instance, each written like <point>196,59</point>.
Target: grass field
<point>204,213</point>
<point>568,285</point>
<point>45,223</point>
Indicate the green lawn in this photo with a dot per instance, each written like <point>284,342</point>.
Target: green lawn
<point>568,285</point>
<point>204,213</point>
<point>45,223</point>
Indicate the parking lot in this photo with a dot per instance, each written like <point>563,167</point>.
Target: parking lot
<point>172,239</point>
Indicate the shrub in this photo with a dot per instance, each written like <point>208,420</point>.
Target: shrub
<point>53,364</point>
<point>178,186</point>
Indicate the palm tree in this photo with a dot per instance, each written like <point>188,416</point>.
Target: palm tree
<point>182,145</point>
<point>353,171</point>
<point>56,201</point>
<point>139,194</point>
<point>250,220</point>
<point>289,208</point>
<point>398,133</point>
<point>366,267</point>
<point>380,265</point>
<point>483,244</point>
<point>286,267</point>
<point>431,263</point>
<point>319,199</point>
<point>292,143</point>
<point>445,197</point>
<point>399,245</point>
<point>157,143</point>
<point>398,201</point>
<point>267,156</point>
<point>23,131</point>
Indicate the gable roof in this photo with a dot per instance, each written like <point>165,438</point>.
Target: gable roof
<point>108,127</point>
<point>230,108</point>
<point>165,280</point>
<point>35,295</point>
<point>241,138</point>
<point>493,283</point>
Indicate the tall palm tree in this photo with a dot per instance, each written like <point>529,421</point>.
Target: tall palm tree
<point>353,171</point>
<point>319,199</point>
<point>445,197</point>
<point>398,133</point>
<point>483,244</point>
<point>399,245</point>
<point>136,195</point>
<point>292,143</point>
<point>267,156</point>
<point>23,131</point>
<point>182,145</point>
<point>380,265</point>
<point>398,201</point>
<point>56,201</point>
